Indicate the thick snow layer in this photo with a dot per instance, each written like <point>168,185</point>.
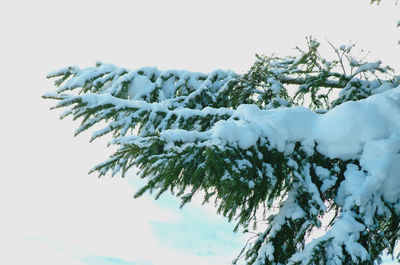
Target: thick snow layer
<point>141,85</point>
<point>278,125</point>
<point>340,133</point>
<point>381,158</point>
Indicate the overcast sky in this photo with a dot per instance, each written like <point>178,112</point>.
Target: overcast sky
<point>51,211</point>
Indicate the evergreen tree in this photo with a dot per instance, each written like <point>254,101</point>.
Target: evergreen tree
<point>249,143</point>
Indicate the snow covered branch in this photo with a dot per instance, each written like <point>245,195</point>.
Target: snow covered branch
<point>248,142</point>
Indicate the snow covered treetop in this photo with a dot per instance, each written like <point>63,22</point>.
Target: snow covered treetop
<point>249,142</point>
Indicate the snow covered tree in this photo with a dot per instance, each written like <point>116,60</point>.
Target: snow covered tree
<point>302,145</point>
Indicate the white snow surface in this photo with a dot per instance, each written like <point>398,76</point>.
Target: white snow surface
<point>340,133</point>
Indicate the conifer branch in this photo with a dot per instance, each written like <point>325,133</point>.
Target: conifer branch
<point>247,142</point>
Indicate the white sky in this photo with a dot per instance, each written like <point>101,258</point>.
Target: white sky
<point>51,212</point>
